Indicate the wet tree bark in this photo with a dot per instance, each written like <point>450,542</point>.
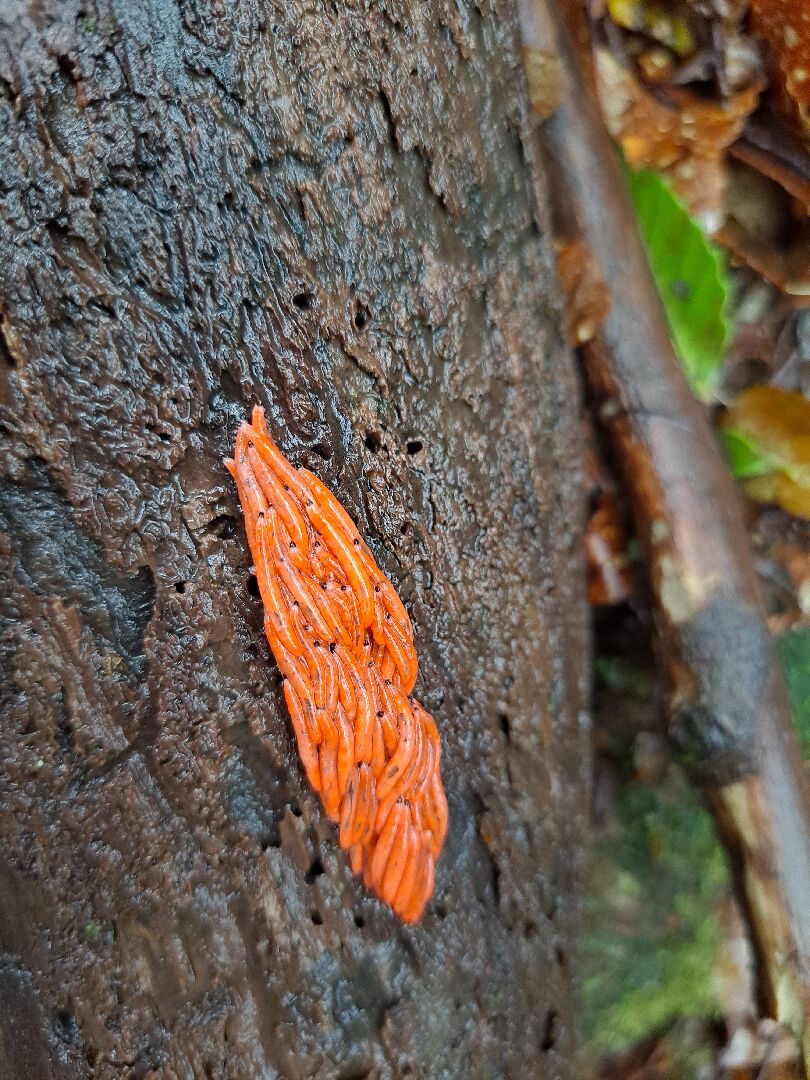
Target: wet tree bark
<point>325,208</point>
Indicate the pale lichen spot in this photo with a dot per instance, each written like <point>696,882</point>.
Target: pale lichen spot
<point>683,594</point>
<point>659,530</point>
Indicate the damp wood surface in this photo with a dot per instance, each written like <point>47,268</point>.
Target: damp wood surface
<point>328,210</point>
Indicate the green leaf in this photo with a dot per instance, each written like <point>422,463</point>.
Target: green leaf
<point>794,652</point>
<point>745,459</point>
<point>691,279</point>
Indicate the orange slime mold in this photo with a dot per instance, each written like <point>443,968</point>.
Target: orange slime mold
<point>344,644</point>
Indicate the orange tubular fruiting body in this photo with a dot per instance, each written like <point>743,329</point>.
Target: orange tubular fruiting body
<point>344,644</point>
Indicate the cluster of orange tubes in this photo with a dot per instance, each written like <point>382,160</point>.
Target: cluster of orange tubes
<point>344,644</point>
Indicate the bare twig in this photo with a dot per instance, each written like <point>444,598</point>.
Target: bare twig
<point>729,714</point>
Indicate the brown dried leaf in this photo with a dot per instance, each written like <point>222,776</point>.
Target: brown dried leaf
<point>766,228</point>
<point>788,270</point>
<point>609,580</point>
<point>587,299</point>
<point>795,560</point>
<point>781,489</point>
<point>654,20</point>
<point>785,26</point>
<point>651,1060</point>
<point>685,138</point>
<point>777,423</point>
<point>776,152</point>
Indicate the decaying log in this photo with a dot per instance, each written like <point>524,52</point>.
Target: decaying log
<point>325,209</point>
<point>729,714</point>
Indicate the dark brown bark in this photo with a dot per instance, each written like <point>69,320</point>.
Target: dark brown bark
<point>325,209</point>
<point>728,710</point>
